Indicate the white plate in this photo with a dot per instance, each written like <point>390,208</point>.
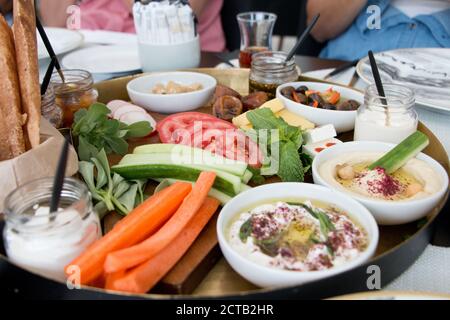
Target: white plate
<point>62,41</point>
<point>343,78</point>
<point>108,37</point>
<point>393,295</point>
<point>104,59</point>
<point>426,71</point>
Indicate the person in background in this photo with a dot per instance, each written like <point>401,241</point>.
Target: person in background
<point>6,9</point>
<point>116,15</point>
<point>351,30</point>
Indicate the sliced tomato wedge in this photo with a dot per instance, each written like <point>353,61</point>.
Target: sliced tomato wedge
<point>207,132</point>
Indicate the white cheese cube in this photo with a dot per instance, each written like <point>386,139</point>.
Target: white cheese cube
<point>320,134</point>
<point>313,149</point>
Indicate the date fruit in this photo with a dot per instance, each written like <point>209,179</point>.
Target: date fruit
<point>227,107</point>
<point>254,100</point>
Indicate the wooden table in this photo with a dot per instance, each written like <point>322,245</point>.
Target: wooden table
<point>306,63</point>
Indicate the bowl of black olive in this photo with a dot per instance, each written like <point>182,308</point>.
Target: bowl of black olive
<point>322,103</point>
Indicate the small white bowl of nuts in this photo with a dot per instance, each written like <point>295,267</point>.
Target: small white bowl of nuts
<point>172,92</point>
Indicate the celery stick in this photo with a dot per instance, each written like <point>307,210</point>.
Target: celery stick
<point>402,153</point>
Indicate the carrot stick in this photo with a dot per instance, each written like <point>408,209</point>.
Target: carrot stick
<point>145,276</point>
<point>111,278</point>
<point>130,257</point>
<point>137,226</point>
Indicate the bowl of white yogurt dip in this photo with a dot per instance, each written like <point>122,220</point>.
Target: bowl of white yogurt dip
<point>286,234</point>
<point>407,195</point>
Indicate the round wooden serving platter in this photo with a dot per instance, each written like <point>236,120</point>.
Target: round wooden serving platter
<point>398,248</point>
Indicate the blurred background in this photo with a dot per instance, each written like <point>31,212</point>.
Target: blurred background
<point>291,22</point>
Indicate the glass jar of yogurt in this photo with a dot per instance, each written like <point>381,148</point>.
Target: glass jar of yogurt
<point>44,242</point>
<point>389,119</point>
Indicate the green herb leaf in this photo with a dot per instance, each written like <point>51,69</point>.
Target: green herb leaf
<point>121,188</point>
<point>101,209</point>
<point>138,129</point>
<point>284,147</point>
<point>290,167</point>
<point>269,246</point>
<point>325,223</point>
<point>257,179</point>
<point>246,230</point>
<point>141,186</point>
<point>128,199</point>
<point>86,150</point>
<point>86,170</point>
<point>264,118</point>
<point>95,131</point>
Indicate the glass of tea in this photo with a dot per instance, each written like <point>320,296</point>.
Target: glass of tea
<point>256,30</point>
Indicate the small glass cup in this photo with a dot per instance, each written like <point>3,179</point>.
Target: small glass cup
<point>389,119</point>
<point>256,29</point>
<point>269,70</point>
<point>43,242</point>
<point>75,93</point>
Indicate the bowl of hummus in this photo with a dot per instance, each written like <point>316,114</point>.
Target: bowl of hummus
<point>286,234</point>
<point>406,195</point>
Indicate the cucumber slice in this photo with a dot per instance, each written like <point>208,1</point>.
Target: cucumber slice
<point>219,195</point>
<point>247,176</point>
<point>188,155</point>
<point>148,166</point>
<point>402,153</point>
<point>245,187</point>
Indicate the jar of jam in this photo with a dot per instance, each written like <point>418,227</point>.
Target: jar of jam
<point>269,70</point>
<point>74,93</point>
<point>50,110</point>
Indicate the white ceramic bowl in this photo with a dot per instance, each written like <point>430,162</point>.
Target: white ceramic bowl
<point>385,212</point>
<point>343,121</point>
<point>270,277</point>
<point>140,89</point>
<point>167,57</point>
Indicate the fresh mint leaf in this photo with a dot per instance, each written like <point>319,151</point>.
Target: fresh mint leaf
<point>290,167</point>
<point>283,147</point>
<point>264,118</point>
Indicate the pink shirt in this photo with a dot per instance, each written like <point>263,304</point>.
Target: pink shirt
<point>114,15</point>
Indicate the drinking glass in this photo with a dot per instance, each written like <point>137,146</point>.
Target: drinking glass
<point>256,30</point>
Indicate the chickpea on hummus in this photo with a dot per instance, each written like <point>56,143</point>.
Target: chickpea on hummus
<point>298,236</point>
<point>349,172</point>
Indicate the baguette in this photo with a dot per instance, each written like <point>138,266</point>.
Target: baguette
<point>11,119</point>
<point>24,30</point>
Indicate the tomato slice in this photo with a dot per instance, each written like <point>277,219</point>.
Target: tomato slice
<point>207,132</point>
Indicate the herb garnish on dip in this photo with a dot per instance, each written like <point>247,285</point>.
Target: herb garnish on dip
<point>298,236</point>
